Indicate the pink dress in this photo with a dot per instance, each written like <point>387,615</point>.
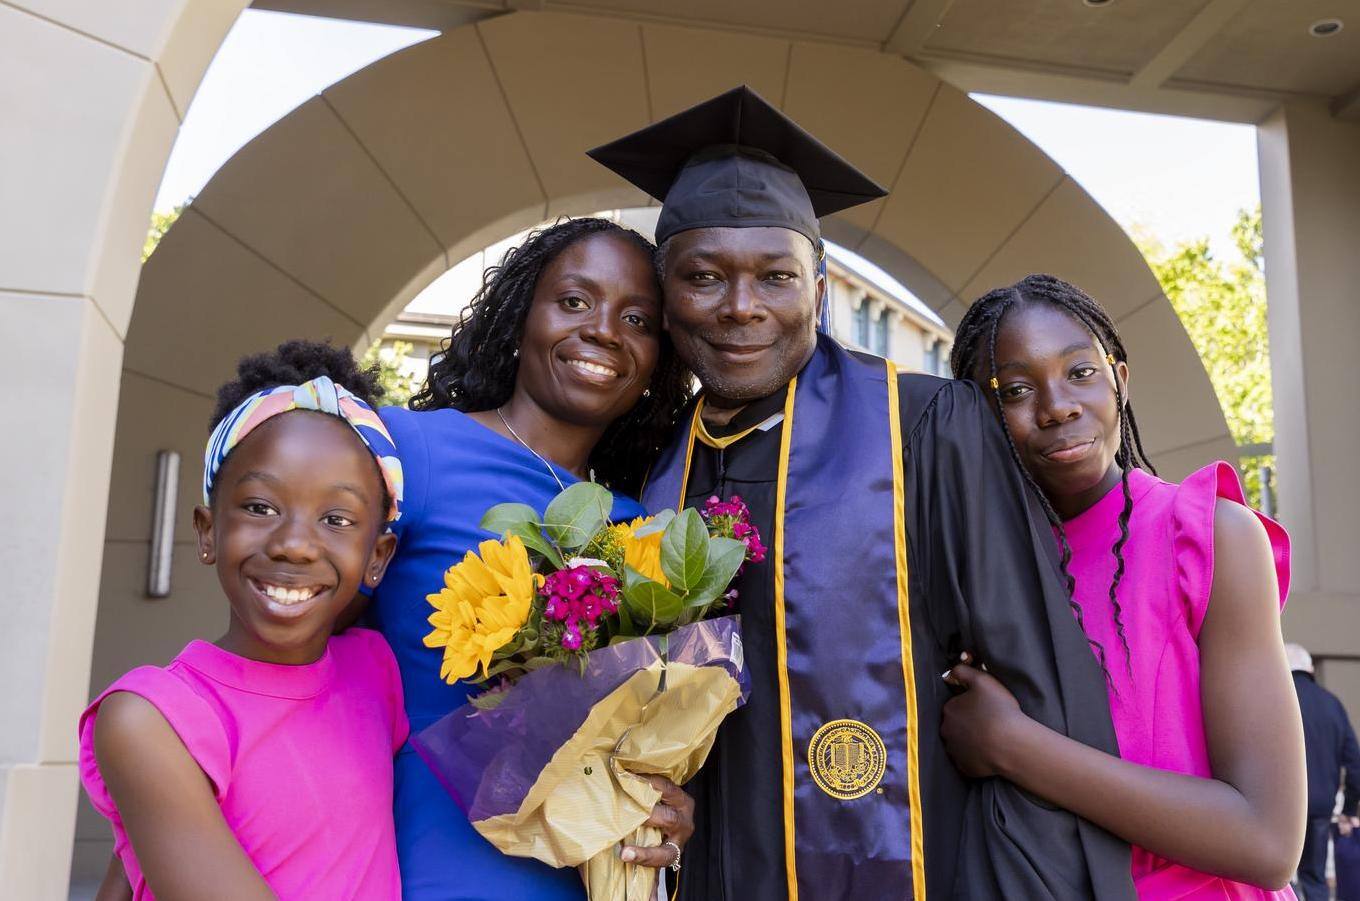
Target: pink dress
<point>299,757</point>
<point>1164,593</point>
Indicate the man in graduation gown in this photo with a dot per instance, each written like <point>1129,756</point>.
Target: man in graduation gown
<point>900,533</point>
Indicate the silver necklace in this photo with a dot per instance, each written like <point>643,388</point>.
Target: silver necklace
<point>552,472</point>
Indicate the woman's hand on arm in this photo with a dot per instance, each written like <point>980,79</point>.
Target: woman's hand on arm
<point>1245,823</point>
<point>182,842</point>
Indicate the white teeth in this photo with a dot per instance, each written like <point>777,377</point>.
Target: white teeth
<point>287,595</point>
<point>596,368</point>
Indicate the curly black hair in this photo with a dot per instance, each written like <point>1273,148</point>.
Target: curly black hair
<point>974,348</point>
<point>477,365</point>
<point>295,362</point>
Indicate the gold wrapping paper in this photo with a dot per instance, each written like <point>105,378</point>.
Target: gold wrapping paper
<point>586,803</point>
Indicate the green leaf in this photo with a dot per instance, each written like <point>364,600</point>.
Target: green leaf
<point>725,556</point>
<point>658,523</point>
<point>503,517</point>
<point>650,602</point>
<point>489,700</point>
<point>503,666</point>
<point>684,550</point>
<point>533,540</point>
<point>626,627</point>
<point>575,515</point>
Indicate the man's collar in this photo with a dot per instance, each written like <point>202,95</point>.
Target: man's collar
<point>751,415</point>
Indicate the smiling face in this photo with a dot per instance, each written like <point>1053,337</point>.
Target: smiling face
<point>741,307</point>
<point>1058,397</point>
<point>296,525</point>
<point>592,335</point>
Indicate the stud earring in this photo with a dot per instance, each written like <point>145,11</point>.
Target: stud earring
<point>647,392</point>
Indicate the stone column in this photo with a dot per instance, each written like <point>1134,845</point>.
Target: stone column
<point>1310,194</point>
<point>94,96</point>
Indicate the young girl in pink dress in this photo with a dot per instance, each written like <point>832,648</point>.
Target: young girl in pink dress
<point>1178,587</point>
<point>260,765</point>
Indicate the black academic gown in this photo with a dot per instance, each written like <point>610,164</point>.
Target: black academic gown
<point>983,576</point>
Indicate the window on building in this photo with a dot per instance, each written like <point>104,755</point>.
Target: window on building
<point>861,322</point>
<point>937,360</point>
<point>881,334</point>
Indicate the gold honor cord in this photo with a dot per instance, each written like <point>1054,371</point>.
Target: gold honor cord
<point>918,851</point>
<point>781,645</point>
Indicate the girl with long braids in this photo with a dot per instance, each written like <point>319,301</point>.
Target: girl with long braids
<point>558,371</point>
<point>1178,587</point>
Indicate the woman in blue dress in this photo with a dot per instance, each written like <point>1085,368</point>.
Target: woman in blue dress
<point>558,371</point>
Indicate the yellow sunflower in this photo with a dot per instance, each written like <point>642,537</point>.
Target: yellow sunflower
<point>485,600</point>
<point>642,554</point>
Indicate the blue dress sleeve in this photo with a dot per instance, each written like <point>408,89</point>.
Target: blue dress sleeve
<point>626,509</point>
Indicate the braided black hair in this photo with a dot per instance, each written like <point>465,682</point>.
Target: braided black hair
<point>981,323</point>
<point>295,362</point>
<point>477,366</point>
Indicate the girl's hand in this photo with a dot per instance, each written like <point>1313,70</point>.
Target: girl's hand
<point>674,816</point>
<point>980,723</point>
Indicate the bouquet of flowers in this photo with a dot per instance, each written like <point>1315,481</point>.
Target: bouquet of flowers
<point>606,651</point>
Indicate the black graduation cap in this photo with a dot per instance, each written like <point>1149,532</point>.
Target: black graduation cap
<point>736,162</point>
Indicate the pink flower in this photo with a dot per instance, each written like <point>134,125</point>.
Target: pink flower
<point>732,519</point>
<point>578,597</point>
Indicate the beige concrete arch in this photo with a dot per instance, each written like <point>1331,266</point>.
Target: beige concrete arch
<point>344,209</point>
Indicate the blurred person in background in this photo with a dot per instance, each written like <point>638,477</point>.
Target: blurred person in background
<point>1329,747</point>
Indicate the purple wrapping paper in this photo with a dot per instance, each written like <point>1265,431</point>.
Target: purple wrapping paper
<point>489,759</point>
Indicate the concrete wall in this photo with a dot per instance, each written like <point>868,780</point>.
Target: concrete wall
<point>1310,195</point>
<point>93,95</point>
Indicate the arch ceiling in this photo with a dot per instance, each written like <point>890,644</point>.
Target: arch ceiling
<point>334,218</point>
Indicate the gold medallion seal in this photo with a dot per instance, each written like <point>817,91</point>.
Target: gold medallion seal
<point>847,759</point>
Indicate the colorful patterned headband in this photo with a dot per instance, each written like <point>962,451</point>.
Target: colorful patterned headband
<point>324,396</point>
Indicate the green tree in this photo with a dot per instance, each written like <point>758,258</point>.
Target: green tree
<point>1222,304</point>
<point>160,224</point>
<point>386,359</point>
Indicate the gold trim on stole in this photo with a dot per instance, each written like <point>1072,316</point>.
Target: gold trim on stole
<point>781,646</point>
<point>694,426</point>
<point>781,642</point>
<point>918,851</point>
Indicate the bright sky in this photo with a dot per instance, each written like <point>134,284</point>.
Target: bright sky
<point>1176,178</point>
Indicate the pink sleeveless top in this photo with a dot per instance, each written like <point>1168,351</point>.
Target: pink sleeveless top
<point>299,758</point>
<point>1164,593</point>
